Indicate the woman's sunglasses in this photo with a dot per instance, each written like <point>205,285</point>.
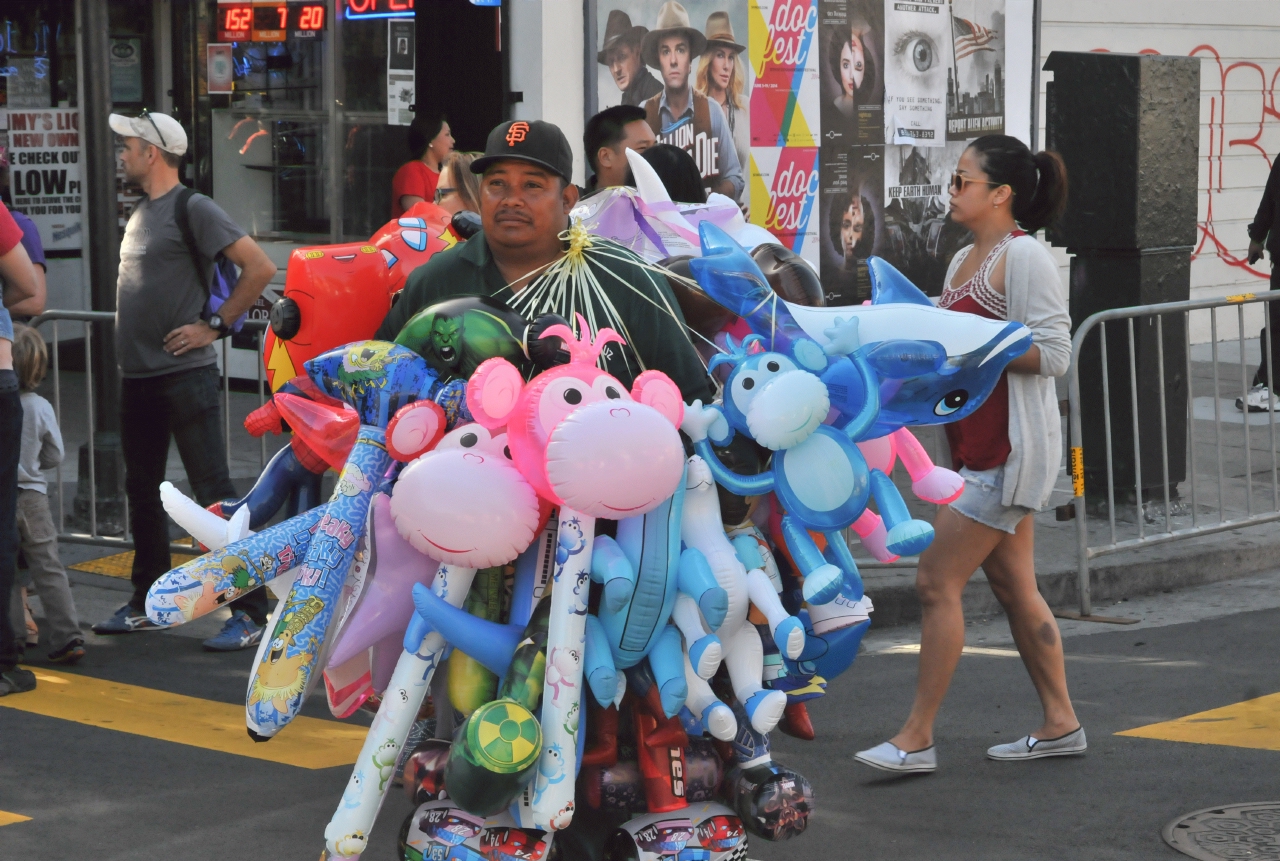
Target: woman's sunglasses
<point>959,181</point>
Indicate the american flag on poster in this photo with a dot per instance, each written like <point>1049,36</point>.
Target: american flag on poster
<point>972,38</point>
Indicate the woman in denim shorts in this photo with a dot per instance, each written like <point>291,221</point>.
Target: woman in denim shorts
<point>1008,451</point>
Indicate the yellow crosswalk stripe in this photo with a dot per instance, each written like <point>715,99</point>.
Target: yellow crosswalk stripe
<point>121,564</point>
<point>306,742</point>
<point>1253,723</point>
<point>7,818</point>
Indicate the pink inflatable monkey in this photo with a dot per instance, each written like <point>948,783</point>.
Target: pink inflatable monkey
<point>576,433</point>
<point>596,450</point>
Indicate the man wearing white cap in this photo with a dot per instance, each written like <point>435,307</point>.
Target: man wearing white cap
<point>164,340</point>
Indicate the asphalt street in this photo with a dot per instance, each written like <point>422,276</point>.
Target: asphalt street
<point>106,785</point>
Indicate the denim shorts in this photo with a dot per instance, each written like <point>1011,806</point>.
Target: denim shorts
<point>981,500</point>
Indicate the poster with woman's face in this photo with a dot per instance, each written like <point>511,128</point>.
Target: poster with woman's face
<point>851,222</point>
<point>851,65</point>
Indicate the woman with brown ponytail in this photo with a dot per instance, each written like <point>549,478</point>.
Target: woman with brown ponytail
<point>1008,452</point>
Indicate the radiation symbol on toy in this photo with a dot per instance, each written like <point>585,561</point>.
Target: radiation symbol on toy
<point>505,736</point>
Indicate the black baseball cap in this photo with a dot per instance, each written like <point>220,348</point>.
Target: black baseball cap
<point>537,142</point>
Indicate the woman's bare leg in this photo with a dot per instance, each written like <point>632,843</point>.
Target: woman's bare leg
<point>1011,571</point>
<point>959,547</point>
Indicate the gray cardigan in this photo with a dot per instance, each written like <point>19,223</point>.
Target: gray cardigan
<point>1037,298</point>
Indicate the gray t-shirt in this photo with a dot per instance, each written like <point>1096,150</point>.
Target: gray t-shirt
<point>158,288</point>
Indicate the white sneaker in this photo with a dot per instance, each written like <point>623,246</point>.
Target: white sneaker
<point>839,613</point>
<point>1258,400</point>
<point>890,757</point>
<point>1030,747</point>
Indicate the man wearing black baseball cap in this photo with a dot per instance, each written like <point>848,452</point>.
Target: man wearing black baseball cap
<point>526,193</point>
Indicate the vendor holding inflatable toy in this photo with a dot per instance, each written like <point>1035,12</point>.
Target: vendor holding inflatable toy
<point>525,197</point>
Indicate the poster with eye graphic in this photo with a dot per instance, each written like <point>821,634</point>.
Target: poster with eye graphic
<point>851,72</point>
<point>975,82</point>
<point>919,44</point>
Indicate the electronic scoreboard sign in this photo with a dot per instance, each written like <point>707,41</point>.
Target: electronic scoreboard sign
<point>269,22</point>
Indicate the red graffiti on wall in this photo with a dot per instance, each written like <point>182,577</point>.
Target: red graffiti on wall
<point>1219,145</point>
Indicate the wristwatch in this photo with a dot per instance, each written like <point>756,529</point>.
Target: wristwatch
<point>217,325</point>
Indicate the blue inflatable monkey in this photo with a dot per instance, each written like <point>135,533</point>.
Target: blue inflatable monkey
<point>781,400</point>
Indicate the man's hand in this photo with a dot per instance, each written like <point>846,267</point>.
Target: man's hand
<point>192,336</point>
<point>1255,252</point>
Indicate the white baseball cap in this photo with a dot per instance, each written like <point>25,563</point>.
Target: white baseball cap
<point>159,130</point>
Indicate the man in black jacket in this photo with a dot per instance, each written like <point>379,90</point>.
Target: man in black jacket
<point>1264,232</point>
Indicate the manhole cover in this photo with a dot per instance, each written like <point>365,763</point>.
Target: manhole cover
<point>1234,831</point>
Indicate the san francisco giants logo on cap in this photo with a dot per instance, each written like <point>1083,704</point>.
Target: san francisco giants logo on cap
<point>516,134</point>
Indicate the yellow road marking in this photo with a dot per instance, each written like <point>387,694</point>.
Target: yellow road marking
<point>1252,723</point>
<point>306,742</point>
<point>7,818</point>
<point>120,564</point>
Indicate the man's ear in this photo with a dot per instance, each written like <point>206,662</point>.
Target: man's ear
<point>604,157</point>
<point>569,196</point>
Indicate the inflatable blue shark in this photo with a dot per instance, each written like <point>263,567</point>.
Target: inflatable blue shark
<point>971,351</point>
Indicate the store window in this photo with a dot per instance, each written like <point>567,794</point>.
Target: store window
<point>37,54</point>
<point>299,148</point>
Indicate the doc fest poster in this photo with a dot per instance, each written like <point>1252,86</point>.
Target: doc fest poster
<point>857,111</point>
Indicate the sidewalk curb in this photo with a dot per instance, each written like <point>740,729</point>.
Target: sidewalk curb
<point>1176,565</point>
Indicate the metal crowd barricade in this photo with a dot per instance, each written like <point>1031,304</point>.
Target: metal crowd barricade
<point>1223,511</point>
<point>87,319</point>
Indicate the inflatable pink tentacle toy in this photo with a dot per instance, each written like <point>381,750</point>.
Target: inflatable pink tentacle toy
<point>871,531</point>
<point>930,482</point>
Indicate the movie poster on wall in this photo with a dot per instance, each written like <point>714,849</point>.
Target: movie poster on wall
<point>785,101</point>
<point>784,192</point>
<point>975,83</point>
<point>714,67</point>
<point>919,44</point>
<point>851,72</point>
<point>919,239</point>
<point>850,222</point>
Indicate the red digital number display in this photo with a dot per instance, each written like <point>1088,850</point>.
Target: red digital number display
<point>269,22</point>
<point>306,20</point>
<point>234,22</point>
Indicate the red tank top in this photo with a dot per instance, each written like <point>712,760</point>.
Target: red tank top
<point>981,440</point>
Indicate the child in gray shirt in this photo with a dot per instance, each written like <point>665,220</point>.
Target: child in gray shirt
<point>41,450</point>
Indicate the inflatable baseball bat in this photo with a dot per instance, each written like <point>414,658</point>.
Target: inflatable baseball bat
<point>550,801</point>
<point>281,679</point>
<point>219,577</point>
<point>347,833</point>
